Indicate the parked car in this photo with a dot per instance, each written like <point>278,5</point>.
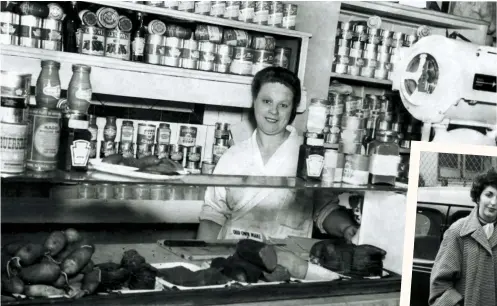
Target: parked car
<point>437,209</point>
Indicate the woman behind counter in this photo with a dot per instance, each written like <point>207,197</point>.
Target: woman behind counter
<point>272,150</point>
<point>465,269</point>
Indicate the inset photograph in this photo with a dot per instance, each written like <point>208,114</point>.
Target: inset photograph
<point>455,241</point>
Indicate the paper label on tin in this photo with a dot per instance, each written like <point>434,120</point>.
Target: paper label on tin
<point>217,9</point>
<point>214,33</point>
<point>354,177</point>
<point>387,165</point>
<point>276,18</point>
<point>219,150</point>
<point>46,139</point>
<point>173,52</point>
<point>190,54</point>
<point>53,91</point>
<point>194,157</point>
<point>289,21</point>
<point>31,32</point>
<point>202,7</point>
<point>127,134</point>
<point>52,35</point>
<point>13,148</point>
<point>246,14</point>
<point>80,152</point>
<point>9,28</point>
<point>231,11</point>
<point>315,165</point>
<point>335,110</point>
<point>83,94</point>
<point>92,44</point>
<point>186,5</point>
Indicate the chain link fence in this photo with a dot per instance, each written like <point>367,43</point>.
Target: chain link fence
<point>446,169</point>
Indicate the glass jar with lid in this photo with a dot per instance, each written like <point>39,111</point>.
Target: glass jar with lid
<point>316,120</point>
<point>384,158</point>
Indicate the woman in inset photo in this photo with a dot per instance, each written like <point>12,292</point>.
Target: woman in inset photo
<point>465,269</point>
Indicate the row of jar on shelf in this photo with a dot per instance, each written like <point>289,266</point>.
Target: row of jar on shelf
<point>128,191</point>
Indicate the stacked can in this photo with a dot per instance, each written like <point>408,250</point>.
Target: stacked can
<point>172,5</point>
<point>186,6</point>
<point>261,12</point>
<point>9,33</point>
<point>155,46</point>
<point>91,37</point>
<point>221,141</point>
<point>193,159</point>
<point>172,52</point>
<point>289,16</point>
<point>203,7</point>
<point>190,54</point>
<point>243,61</point>
<point>145,140</point>
<point>264,52</point>
<point>30,31</point>
<point>118,33</point>
<point>207,55</point>
<point>398,39</point>
<point>282,57</point>
<point>223,58</point>
<point>247,11</point>
<point>341,59</point>
<point>370,53</point>
<point>334,118</point>
<point>237,38</point>
<point>163,140</point>
<point>275,18</point>
<point>232,10</point>
<point>217,9</point>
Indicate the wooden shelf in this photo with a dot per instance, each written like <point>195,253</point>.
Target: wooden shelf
<point>360,79</point>
<point>413,15</point>
<point>203,19</point>
<point>134,79</point>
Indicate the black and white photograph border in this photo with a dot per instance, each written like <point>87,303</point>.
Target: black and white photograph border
<point>415,288</point>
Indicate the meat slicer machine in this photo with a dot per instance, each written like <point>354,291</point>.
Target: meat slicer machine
<point>444,81</point>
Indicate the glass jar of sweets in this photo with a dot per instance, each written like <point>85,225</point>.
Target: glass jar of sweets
<point>316,120</point>
<point>384,158</point>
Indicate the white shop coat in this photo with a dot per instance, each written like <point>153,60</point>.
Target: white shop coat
<point>259,212</point>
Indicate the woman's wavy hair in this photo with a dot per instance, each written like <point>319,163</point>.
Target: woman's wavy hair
<point>282,76</point>
<point>481,182</point>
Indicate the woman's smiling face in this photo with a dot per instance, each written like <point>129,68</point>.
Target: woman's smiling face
<point>273,108</point>
<point>487,208</point>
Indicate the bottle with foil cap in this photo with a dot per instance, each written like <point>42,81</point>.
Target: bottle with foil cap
<point>48,85</point>
<point>384,158</point>
<point>311,157</point>
<point>79,91</point>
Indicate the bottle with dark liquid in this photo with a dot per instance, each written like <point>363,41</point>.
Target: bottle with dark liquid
<point>138,39</point>
<point>75,142</point>
<point>70,28</point>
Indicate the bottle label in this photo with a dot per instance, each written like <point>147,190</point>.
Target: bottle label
<point>110,132</point>
<point>219,150</point>
<point>46,139</point>
<point>164,136</point>
<point>80,152</point>
<point>354,176</point>
<point>107,148</point>
<point>194,157</point>
<point>138,46</point>
<point>52,35</point>
<point>387,165</point>
<point>53,91</point>
<point>83,94</point>
<point>315,163</point>
<point>190,54</point>
<point>127,134</point>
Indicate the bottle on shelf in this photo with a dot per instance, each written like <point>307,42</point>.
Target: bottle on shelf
<point>79,92</point>
<point>48,85</point>
<point>75,142</point>
<point>93,128</point>
<point>311,157</point>
<point>70,27</point>
<point>384,158</point>
<point>138,39</point>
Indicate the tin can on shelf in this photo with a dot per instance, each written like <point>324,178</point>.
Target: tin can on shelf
<point>203,7</point>
<point>178,31</point>
<point>386,37</point>
<point>340,63</point>
<point>289,16</point>
<point>146,134</point>
<point>237,38</point>
<point>207,55</point>
<point>194,157</point>
<point>118,44</point>
<point>224,55</point>
<point>126,149</point>
<point>144,149</point>
<point>408,41</point>
<point>265,42</point>
<point>172,54</point>
<point>247,11</point>
<point>275,18</point>
<point>208,167</point>
<point>125,24</point>
<point>217,9</point>
<point>360,33</point>
<point>51,35</point>
<point>141,192</point>
<point>222,130</point>
<point>282,57</point>
<point>355,53</point>
<point>242,61</point>
<point>43,139</point>
<point>92,41</point>
<point>15,93</point>
<point>343,51</point>
<point>209,33</point>
<point>107,18</point>
<point>155,3</point>
<point>261,12</point>
<point>345,30</point>
<point>88,18</point>
<point>383,57</point>
<point>9,28</point>
<point>107,148</point>
<point>172,5</point>
<point>262,59</point>
<point>329,166</point>
<point>123,192</point>
<point>187,136</point>
<point>161,150</point>
<point>164,133</point>
<point>382,70</point>
<point>186,6</point>
<point>356,169</point>
<point>13,147</point>
<point>232,10</point>
<point>398,39</point>
<point>176,153</point>
<point>190,54</point>
<point>155,48</point>
<point>373,36</point>
<point>30,31</point>
<point>156,27</point>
